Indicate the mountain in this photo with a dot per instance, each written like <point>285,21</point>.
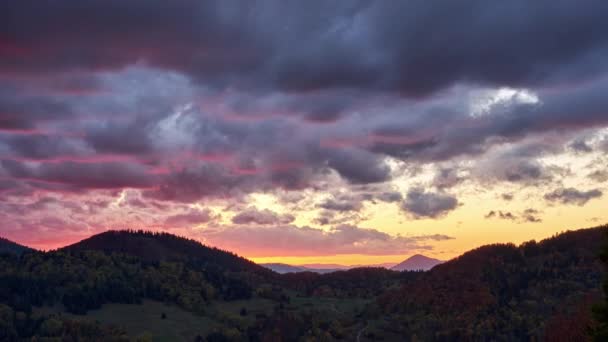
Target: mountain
<point>152,246</point>
<point>285,268</point>
<point>7,246</point>
<point>417,262</point>
<point>345,267</point>
<point>502,292</point>
<point>319,268</point>
<point>494,286</point>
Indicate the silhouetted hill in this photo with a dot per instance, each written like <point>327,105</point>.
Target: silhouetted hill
<point>493,285</point>
<point>417,262</point>
<point>502,292</point>
<point>8,246</point>
<point>153,246</point>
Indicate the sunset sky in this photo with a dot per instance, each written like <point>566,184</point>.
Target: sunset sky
<point>350,132</point>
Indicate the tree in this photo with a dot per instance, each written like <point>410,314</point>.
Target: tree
<point>600,312</point>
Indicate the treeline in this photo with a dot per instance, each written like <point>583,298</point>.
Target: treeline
<point>499,292</point>
<point>18,326</point>
<point>84,280</point>
<point>363,282</point>
<point>532,292</point>
<point>156,246</point>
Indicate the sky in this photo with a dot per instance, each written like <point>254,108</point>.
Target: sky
<point>350,132</point>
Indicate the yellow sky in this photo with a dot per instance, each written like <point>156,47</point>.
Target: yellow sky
<point>467,224</point>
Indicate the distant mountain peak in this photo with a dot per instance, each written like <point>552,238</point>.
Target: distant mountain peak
<point>417,262</point>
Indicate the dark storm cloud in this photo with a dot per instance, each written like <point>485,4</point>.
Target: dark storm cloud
<point>281,95</point>
<point>458,134</point>
<point>122,138</point>
<point>78,176</point>
<point>23,112</point>
<point>573,196</point>
<point>314,45</point>
<point>39,147</point>
<point>358,166</point>
<point>421,204</point>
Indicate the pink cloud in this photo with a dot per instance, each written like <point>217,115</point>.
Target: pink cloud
<point>289,240</point>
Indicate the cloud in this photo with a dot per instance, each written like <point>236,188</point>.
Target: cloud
<point>506,215</point>
<point>603,144</point>
<point>261,217</point>
<point>343,204</point>
<point>250,44</point>
<point>390,196</point>
<point>507,196</point>
<point>528,215</point>
<point>421,204</point>
<point>328,217</point>
<point>289,240</point>
<point>531,215</point>
<point>446,178</point>
<point>599,176</point>
<point>190,218</point>
<point>513,170</point>
<point>207,102</point>
<point>572,196</point>
<point>580,146</point>
<point>74,176</point>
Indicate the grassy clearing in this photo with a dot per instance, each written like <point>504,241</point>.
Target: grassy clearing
<point>178,324</point>
<point>145,318</point>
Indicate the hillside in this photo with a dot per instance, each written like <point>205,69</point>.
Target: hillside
<point>152,246</point>
<point>417,262</point>
<point>502,292</point>
<point>7,246</point>
<point>483,293</point>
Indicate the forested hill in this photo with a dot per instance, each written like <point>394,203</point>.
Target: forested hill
<point>532,292</point>
<point>500,291</point>
<point>153,246</point>
<point>7,246</point>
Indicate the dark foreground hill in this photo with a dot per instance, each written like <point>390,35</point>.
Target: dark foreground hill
<point>153,246</point>
<point>7,246</point>
<point>502,291</point>
<point>536,291</point>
